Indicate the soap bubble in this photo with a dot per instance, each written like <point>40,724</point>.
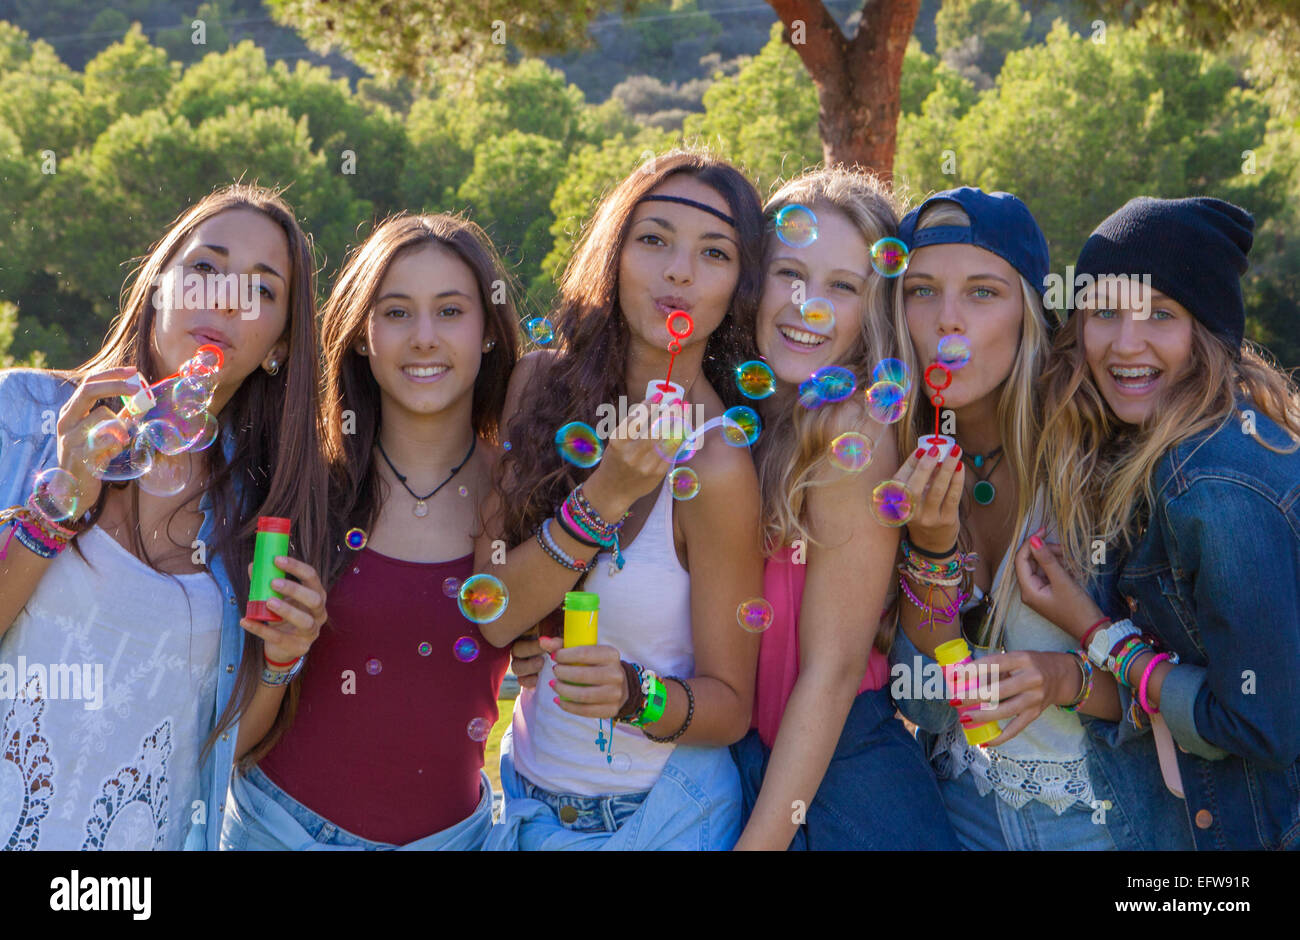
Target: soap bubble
<point>672,435</point>
<point>578,444</point>
<point>818,314</point>
<point>200,432</point>
<point>684,483</point>
<point>207,360</point>
<point>165,437</point>
<point>57,493</point>
<point>892,503</point>
<point>887,402</point>
<point>539,330</point>
<point>166,476</point>
<point>744,428</point>
<point>620,763</point>
<point>891,370</point>
<point>465,649</point>
<point>810,395</point>
<point>834,383</point>
<point>851,451</point>
<point>130,464</point>
<point>374,666</point>
<point>755,379</point>
<point>104,442</point>
<point>954,351</point>
<point>451,587</point>
<point>483,598</point>
<point>478,730</point>
<point>796,226</point>
<point>425,648</point>
<point>755,615</point>
<point>463,491</point>
<point>889,256</point>
<point>356,539</point>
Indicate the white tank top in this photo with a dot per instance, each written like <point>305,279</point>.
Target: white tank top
<point>645,611</point>
<point>108,679</point>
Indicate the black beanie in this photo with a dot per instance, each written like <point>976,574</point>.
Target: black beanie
<point>1194,249</point>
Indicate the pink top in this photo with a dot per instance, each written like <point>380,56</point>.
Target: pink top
<point>778,653</point>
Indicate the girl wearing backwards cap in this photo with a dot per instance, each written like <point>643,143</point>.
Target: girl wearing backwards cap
<point>1178,446</point>
<point>1049,779</point>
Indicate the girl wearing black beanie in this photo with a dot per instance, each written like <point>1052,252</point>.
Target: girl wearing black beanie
<point>1171,449</point>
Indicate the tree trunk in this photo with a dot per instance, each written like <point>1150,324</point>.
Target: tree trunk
<point>858,81</point>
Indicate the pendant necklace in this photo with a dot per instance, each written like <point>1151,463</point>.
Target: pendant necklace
<point>421,502</point>
<point>984,491</point>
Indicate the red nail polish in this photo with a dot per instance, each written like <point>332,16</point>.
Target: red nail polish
<point>954,701</point>
<point>956,450</point>
<point>966,719</point>
<point>551,683</point>
<point>557,700</point>
<point>920,452</point>
<point>933,451</point>
<point>960,467</point>
<point>1035,541</point>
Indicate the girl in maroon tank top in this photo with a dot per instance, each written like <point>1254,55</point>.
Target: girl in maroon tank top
<point>386,747</point>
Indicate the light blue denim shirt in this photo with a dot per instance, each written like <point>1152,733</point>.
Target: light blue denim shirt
<point>29,410</point>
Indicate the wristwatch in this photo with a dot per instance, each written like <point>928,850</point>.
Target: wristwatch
<point>1106,639</point>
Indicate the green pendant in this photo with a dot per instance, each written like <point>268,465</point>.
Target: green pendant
<point>984,492</point>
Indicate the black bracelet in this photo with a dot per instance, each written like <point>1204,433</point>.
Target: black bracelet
<point>938,556</point>
<point>690,713</point>
<point>576,536</point>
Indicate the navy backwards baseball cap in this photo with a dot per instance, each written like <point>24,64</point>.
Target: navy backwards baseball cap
<point>999,222</point>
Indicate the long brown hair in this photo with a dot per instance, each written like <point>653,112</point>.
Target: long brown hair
<point>1099,470</point>
<point>277,463</point>
<point>589,367</point>
<point>351,391</point>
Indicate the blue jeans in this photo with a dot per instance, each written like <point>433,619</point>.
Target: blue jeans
<point>694,805</point>
<point>989,823</point>
<point>262,817</point>
<point>878,791</point>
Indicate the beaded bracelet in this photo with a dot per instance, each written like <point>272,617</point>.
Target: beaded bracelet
<point>944,615</point>
<point>543,535</point>
<point>567,523</point>
<point>690,714</point>
<point>1133,648</point>
<point>938,580</point>
<point>30,533</point>
<point>923,561</point>
<point>1085,666</point>
<point>590,521</point>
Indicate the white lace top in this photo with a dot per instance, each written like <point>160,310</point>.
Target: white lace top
<point>107,686</point>
<point>1047,761</point>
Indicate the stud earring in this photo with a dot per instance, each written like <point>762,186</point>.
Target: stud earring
<point>489,345</point>
<point>362,350</point>
<point>273,367</point>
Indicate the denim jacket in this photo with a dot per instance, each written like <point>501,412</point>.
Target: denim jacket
<point>29,409</point>
<point>1215,577</point>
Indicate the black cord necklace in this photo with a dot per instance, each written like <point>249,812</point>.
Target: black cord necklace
<point>421,502</point>
<point>984,491</point>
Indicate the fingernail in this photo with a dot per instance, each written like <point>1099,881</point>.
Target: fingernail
<point>277,582</point>
<point>920,452</point>
<point>1035,541</point>
<point>934,450</point>
<point>551,683</point>
<point>966,719</point>
<point>960,467</point>
<point>658,397</point>
<point>954,701</point>
<point>956,450</point>
<point>984,744</point>
<point>557,702</point>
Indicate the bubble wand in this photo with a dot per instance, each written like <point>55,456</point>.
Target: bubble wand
<point>674,347</point>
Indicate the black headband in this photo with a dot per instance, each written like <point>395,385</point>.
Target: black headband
<point>691,202</point>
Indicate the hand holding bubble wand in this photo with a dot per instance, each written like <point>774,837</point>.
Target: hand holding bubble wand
<point>685,326</point>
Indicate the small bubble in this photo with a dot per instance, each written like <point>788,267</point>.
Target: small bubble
<point>755,615</point>
<point>889,256</point>
<point>465,649</point>
<point>954,351</point>
<point>818,314</point>
<point>539,330</point>
<point>796,226</point>
<point>892,503</point>
<point>620,763</point>
<point>478,730</point>
<point>451,587</point>
<point>755,379</point>
<point>886,402</point>
<point>685,483</point>
<point>578,444</point>
<point>374,666</point>
<point>742,427</point>
<point>356,539</point>
<point>482,598</point>
<point>851,451</point>
<point>57,493</point>
<point>464,491</point>
<point>425,648</point>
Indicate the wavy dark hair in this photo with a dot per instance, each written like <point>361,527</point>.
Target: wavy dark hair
<point>357,491</point>
<point>277,462</point>
<point>589,366</point>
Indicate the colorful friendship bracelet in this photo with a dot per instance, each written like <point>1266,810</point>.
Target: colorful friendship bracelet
<point>1085,690</point>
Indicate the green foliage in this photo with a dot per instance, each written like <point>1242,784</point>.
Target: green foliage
<point>8,327</point>
<point>980,32</point>
<point>764,118</point>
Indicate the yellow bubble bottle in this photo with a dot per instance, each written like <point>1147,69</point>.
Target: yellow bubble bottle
<point>957,653</point>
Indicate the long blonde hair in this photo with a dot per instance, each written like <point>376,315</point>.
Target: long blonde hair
<point>1099,471</point>
<point>1017,411</point>
<point>795,440</point>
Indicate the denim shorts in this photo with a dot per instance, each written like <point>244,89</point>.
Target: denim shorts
<point>878,792</point>
<point>989,823</point>
<point>587,813</point>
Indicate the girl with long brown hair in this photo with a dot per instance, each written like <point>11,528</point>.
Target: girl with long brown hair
<point>1172,450</point>
<point>420,339</point>
<point>150,597</point>
<point>673,671</point>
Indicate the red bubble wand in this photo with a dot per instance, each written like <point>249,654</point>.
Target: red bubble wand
<point>674,347</point>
